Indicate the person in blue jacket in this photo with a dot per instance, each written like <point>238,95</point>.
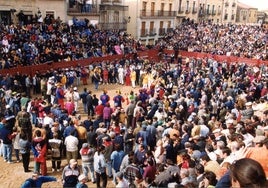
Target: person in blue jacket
<point>36,181</point>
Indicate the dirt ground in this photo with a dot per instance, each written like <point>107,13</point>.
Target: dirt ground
<point>12,175</point>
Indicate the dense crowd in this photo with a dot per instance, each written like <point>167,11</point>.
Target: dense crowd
<point>54,41</point>
<point>249,41</point>
<point>194,123</point>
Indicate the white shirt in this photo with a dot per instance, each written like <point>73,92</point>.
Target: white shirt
<point>71,143</point>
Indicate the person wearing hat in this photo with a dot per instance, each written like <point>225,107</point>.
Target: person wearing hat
<point>248,112</point>
<point>76,98</point>
<point>36,181</point>
<point>82,181</point>
<point>87,157</point>
<point>70,174</point>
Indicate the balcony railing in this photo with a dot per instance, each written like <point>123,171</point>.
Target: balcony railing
<point>144,32</point>
<point>181,10</point>
<point>162,31</point>
<point>225,16</point>
<point>233,5</point>
<point>77,11</point>
<point>152,32</point>
<point>194,11</point>
<point>209,12</point>
<point>111,1</point>
<point>219,12</point>
<point>113,26</point>
<point>187,11</point>
<point>159,13</point>
<point>213,12</point>
<point>226,4</point>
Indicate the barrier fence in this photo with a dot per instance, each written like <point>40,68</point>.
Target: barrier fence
<point>150,54</point>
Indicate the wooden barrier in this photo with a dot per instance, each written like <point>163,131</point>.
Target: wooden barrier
<point>149,54</point>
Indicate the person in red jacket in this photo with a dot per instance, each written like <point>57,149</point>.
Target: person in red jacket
<point>39,149</point>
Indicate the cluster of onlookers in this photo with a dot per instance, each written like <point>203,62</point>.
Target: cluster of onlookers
<point>187,125</point>
<point>197,123</point>
<point>56,41</point>
<point>220,39</point>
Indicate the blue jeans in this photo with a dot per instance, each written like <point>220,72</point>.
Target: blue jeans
<point>89,169</point>
<point>8,152</point>
<point>109,168</point>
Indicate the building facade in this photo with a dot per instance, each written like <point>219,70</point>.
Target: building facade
<point>246,14</point>
<point>107,14</point>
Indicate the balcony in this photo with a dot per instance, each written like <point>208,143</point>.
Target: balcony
<point>111,2</point>
<point>170,30</point>
<point>213,12</point>
<point>226,4</point>
<point>234,4</point>
<point>202,13</point>
<point>113,26</point>
<point>157,14</point>
<point>76,11</point>
<point>225,16</point>
<point>194,11</point>
<point>219,12</point>
<point>152,32</point>
<point>161,31</point>
<point>144,32</point>
<point>209,12</point>
<point>187,11</point>
<point>181,10</point>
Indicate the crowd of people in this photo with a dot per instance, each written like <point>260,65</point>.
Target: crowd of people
<point>249,41</point>
<point>196,123</point>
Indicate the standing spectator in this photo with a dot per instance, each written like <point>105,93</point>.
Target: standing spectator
<point>16,146</point>
<point>56,147</point>
<point>107,115</point>
<point>96,78</point>
<point>87,156</point>
<point>59,95</point>
<point>25,148</point>
<point>116,159</point>
<point>82,135</point>
<point>76,97</point>
<point>90,107</point>
<point>70,174</point>
<point>69,106</point>
<point>118,99</point>
<point>100,167</point>
<point>71,143</point>
<point>6,136</point>
<point>83,97</point>
<point>132,171</point>
<point>39,149</point>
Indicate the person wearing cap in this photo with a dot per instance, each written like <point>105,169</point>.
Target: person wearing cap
<point>82,181</point>
<point>36,181</point>
<point>87,157</point>
<point>76,98</point>
<point>247,113</point>
<point>70,174</point>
